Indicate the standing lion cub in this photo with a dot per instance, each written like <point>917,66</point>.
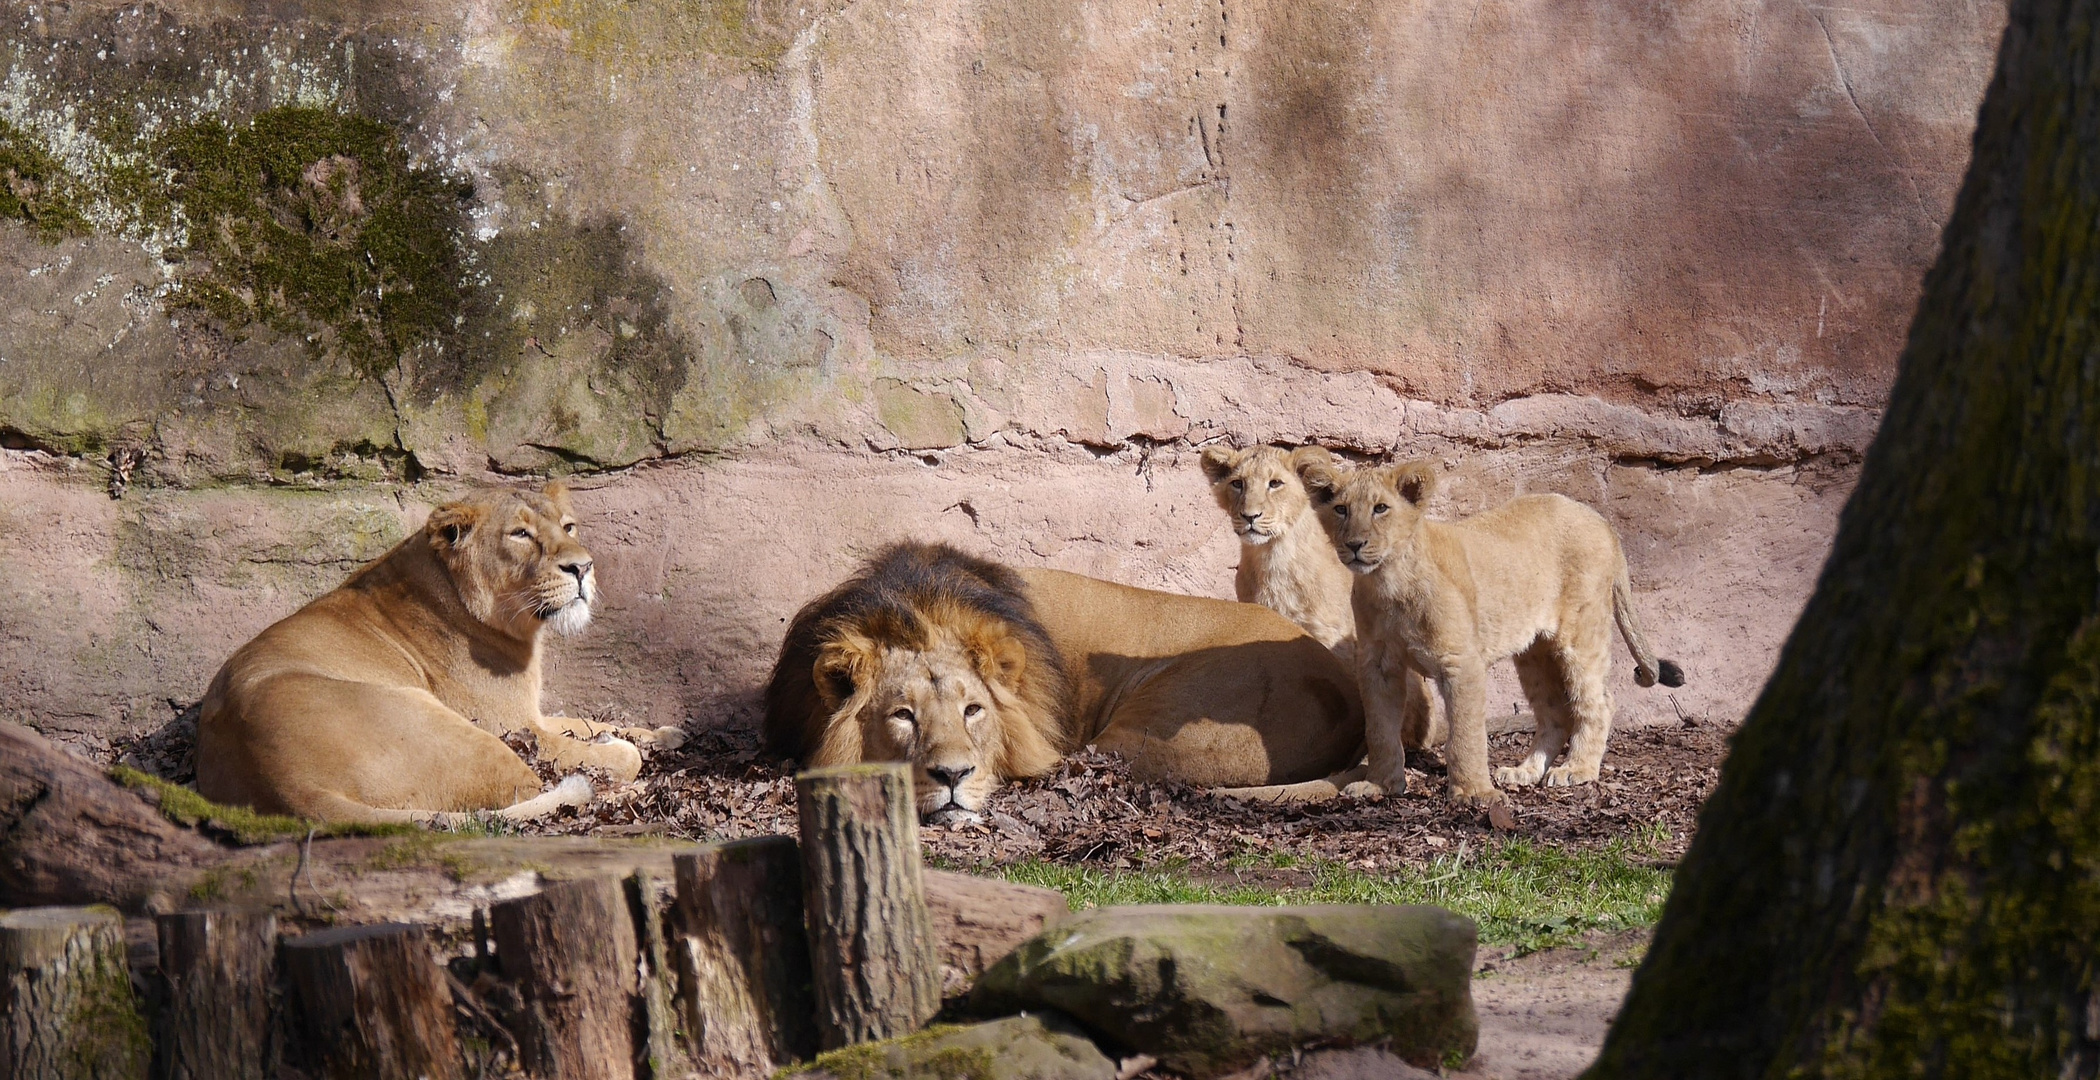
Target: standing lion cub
<point>1540,578</point>
<point>384,699</point>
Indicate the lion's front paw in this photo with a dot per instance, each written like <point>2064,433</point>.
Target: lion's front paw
<point>1365,789</point>
<point>1516,775</point>
<point>1476,796</point>
<point>618,757</point>
<point>1569,776</point>
<point>663,738</point>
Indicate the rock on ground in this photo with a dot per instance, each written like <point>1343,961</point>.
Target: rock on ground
<point>1037,1046</point>
<point>1211,989</point>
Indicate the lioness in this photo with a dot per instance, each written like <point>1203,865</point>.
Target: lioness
<point>1540,578</point>
<point>976,673</point>
<point>383,700</point>
<point>1287,563</point>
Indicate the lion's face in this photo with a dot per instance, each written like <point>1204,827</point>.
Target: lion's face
<point>945,703</point>
<point>1258,488</point>
<point>516,560</point>
<point>1368,513</point>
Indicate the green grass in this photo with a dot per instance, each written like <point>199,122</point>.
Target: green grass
<point>184,806</point>
<point>1520,894</point>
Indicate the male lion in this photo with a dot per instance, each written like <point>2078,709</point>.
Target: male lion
<point>1540,578</point>
<point>977,673</point>
<point>384,699</point>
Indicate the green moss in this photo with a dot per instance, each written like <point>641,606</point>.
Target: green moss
<point>105,1034</point>
<point>884,1060</point>
<point>313,222</point>
<point>423,849</point>
<point>35,188</point>
<point>185,807</point>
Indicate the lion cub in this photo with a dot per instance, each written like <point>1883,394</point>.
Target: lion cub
<point>1540,578</point>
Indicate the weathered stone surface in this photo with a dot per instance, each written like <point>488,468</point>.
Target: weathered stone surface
<point>979,920</point>
<point>1038,1046</point>
<point>1210,989</point>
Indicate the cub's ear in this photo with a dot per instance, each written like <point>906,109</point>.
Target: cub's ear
<point>452,523</point>
<point>558,494</point>
<point>1414,480</point>
<point>1320,474</point>
<point>843,666</point>
<point>1318,454</point>
<point>1218,462</point>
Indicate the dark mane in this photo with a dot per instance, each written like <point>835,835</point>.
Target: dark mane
<point>893,589</point>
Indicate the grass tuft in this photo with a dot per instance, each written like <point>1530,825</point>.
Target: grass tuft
<point>1520,894</point>
<point>247,827</point>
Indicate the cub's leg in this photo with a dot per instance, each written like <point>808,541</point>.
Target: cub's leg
<point>1539,670</point>
<point>1464,686</point>
<point>1386,683</point>
<point>1422,724</point>
<point>1584,660</point>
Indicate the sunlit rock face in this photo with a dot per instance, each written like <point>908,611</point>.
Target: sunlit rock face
<point>987,272</point>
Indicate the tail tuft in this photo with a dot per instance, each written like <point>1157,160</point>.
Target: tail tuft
<point>1672,675</point>
<point>574,790</point>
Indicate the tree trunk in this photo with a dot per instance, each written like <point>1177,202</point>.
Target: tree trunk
<point>571,949</point>
<point>1899,873</point>
<point>871,944</point>
<point>66,833</point>
<point>66,1007</point>
<point>370,1003</point>
<point>743,956</point>
<point>215,1022</point>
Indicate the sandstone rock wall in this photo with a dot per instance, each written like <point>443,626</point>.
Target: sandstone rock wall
<point>778,280</point>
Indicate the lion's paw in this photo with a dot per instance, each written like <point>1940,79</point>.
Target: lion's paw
<point>1365,789</point>
<point>618,757</point>
<point>1516,776</point>
<point>1476,796</point>
<point>1569,776</point>
<point>662,738</point>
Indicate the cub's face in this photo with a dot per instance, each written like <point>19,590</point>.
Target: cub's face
<point>1258,488</point>
<point>935,704</point>
<point>516,559</point>
<point>1368,513</point>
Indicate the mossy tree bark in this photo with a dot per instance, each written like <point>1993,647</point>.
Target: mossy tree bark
<point>1899,873</point>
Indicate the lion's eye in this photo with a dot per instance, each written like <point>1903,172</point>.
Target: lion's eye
<point>1239,485</point>
<point>1274,484</point>
<point>1380,508</point>
<point>905,715</point>
<point>972,711</point>
<point>521,534</point>
<point>569,527</point>
<point>1340,510</point>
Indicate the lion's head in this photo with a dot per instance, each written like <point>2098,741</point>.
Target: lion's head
<point>928,656</point>
<point>515,559</point>
<point>1368,513</point>
<point>1258,487</point>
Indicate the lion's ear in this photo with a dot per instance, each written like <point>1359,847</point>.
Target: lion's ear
<point>1304,454</point>
<point>1319,474</point>
<point>996,654</point>
<point>843,664</point>
<point>558,494</point>
<point>1218,462</point>
<point>452,523</point>
<point>1414,480</point>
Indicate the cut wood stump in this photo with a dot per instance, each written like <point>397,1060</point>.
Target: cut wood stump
<point>370,1003</point>
<point>66,1007</point>
<point>660,1056</point>
<point>871,945</point>
<point>571,950</point>
<point>743,959</point>
<point>217,969</point>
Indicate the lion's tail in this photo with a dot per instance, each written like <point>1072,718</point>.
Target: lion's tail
<point>573,791</point>
<point>1647,668</point>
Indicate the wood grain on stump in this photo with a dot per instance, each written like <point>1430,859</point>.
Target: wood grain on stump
<point>370,1003</point>
<point>872,955</point>
<point>743,960</point>
<point>66,1007</point>
<point>217,969</point>
<point>571,950</point>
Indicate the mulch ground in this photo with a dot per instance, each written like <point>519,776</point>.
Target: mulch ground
<point>1091,812</point>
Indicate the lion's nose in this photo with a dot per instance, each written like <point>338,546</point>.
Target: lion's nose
<point>1251,518</point>
<point>949,777</point>
<point>578,569</point>
<point>1356,547</point>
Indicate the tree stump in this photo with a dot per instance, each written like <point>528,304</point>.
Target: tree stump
<point>872,956</point>
<point>743,960</point>
<point>571,950</point>
<point>217,968</point>
<point>66,1007</point>
<point>660,1058</point>
<point>370,1003</point>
